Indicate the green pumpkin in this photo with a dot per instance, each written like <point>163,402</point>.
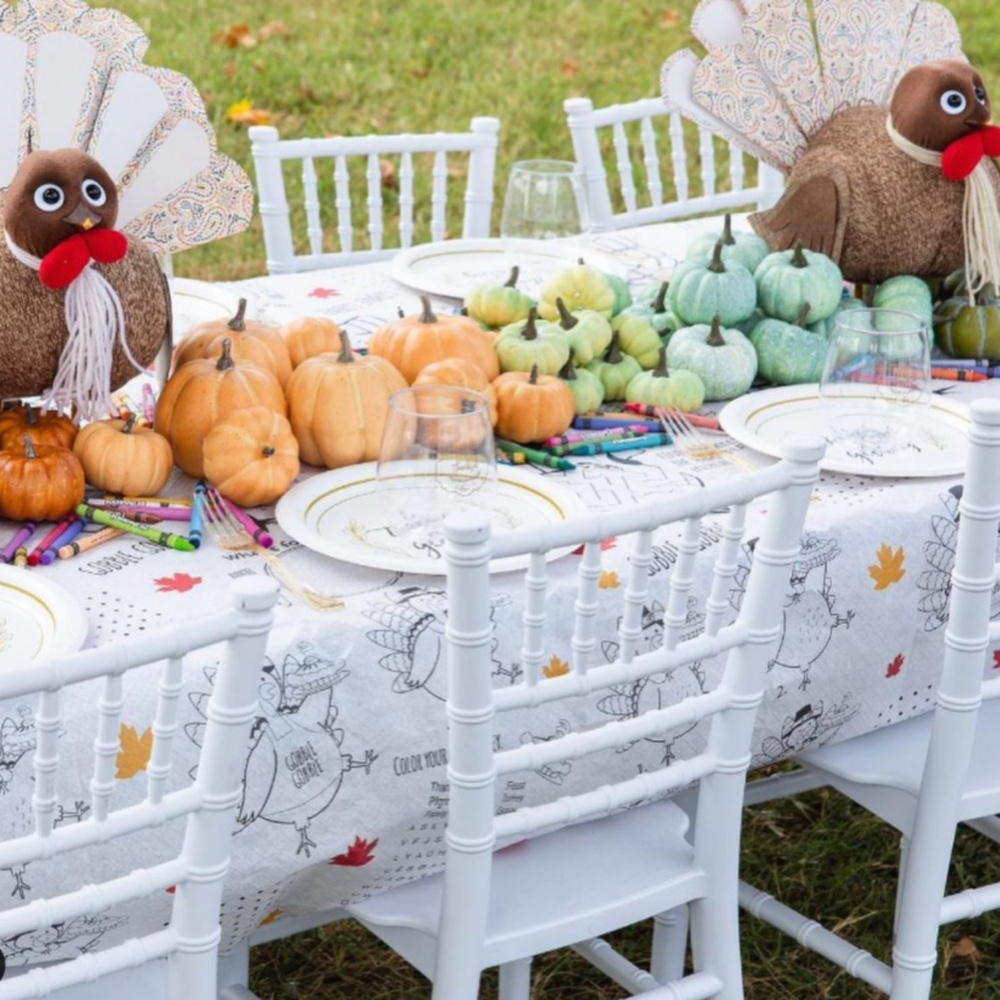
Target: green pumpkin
<point>737,248</point>
<point>724,360</point>
<point>788,353</point>
<point>677,390</point>
<point>461,312</point>
<point>623,297</point>
<point>639,338</point>
<point>787,279</point>
<point>587,388</point>
<point>580,287</point>
<point>615,370</point>
<point>494,306</point>
<point>747,326</point>
<point>521,346</point>
<point>824,327</point>
<point>701,289</point>
<point>656,312</point>
<point>962,330</point>
<point>904,294</point>
<point>588,333</point>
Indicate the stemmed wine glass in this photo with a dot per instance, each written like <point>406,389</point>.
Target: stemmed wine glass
<point>545,200</point>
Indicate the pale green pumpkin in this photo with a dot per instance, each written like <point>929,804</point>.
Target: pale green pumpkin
<point>623,297</point>
<point>701,289</point>
<point>587,388</point>
<point>905,294</point>
<point>495,306</point>
<point>724,360</point>
<point>656,312</point>
<point>638,338</point>
<point>790,278</point>
<point>787,353</point>
<point>747,249</point>
<point>969,331</point>
<point>615,370</point>
<point>677,390</point>
<point>746,327</point>
<point>588,332</point>
<point>825,327</point>
<point>580,287</point>
<point>520,346</point>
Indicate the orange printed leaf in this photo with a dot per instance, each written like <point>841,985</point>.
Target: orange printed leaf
<point>897,664</point>
<point>888,568</point>
<point>135,752</point>
<point>555,667</point>
<point>270,918</point>
<point>361,852</point>
<point>609,580</point>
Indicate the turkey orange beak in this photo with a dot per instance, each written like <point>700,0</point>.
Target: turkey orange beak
<point>82,216</point>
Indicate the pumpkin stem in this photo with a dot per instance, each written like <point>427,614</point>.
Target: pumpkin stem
<point>614,353</point>
<point>716,266</point>
<point>238,323</point>
<point>29,448</point>
<point>30,417</point>
<point>400,313</point>
<point>715,338</point>
<point>799,258</point>
<point>727,231</point>
<point>346,355</point>
<point>533,375</point>
<point>129,424</point>
<point>267,451</point>
<point>568,372</point>
<point>529,331</point>
<point>803,315</point>
<point>225,361</point>
<point>427,316</point>
<point>660,302</point>
<point>463,311</point>
<point>566,319</point>
<point>511,282</point>
<point>660,371</point>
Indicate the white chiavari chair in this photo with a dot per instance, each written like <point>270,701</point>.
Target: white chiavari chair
<point>682,196</point>
<point>178,962</point>
<point>270,152</point>
<point>608,868</point>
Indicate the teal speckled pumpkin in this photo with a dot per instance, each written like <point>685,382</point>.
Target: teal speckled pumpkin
<point>495,306</point>
<point>615,370</point>
<point>520,346</point>
<point>701,289</point>
<point>580,287</point>
<point>723,359</point>
<point>905,294</point>
<point>747,249</point>
<point>623,297</point>
<point>587,388</point>
<point>824,327</point>
<point>638,338</point>
<point>656,312</point>
<point>677,390</point>
<point>787,279</point>
<point>787,353</point>
<point>588,332</point>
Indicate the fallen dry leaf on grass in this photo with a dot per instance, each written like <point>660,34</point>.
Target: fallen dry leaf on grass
<point>244,113</point>
<point>670,18</point>
<point>273,29</point>
<point>966,948</point>
<point>569,68</point>
<point>387,170</point>
<point>236,36</point>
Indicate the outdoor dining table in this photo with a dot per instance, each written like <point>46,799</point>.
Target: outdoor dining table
<point>346,786</point>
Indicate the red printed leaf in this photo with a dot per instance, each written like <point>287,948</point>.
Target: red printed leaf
<point>606,546</point>
<point>361,852</point>
<point>996,659</point>
<point>896,665</point>
<point>179,582</point>
<point>323,293</point>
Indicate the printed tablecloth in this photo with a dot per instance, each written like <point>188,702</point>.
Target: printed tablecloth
<point>346,787</point>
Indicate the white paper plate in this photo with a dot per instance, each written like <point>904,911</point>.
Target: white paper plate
<point>932,443</point>
<point>201,301</point>
<point>38,618</point>
<point>338,514</point>
<point>452,268</point>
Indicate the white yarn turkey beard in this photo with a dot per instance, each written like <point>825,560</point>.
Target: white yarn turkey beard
<point>95,320</point>
<point>980,216</point>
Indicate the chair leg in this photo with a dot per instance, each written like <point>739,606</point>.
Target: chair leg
<point>234,968</point>
<point>904,849</point>
<point>515,980</point>
<point>670,931</point>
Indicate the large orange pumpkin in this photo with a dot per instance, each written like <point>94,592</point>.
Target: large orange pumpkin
<point>44,427</point>
<point>463,375</point>
<point>411,343</point>
<point>338,406</point>
<point>204,391</point>
<point>121,458</point>
<point>310,336</point>
<point>532,407</point>
<point>39,482</point>
<point>260,343</point>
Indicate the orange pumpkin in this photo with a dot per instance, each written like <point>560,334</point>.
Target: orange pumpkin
<point>259,343</point>
<point>252,456</point>
<point>204,391</point>
<point>338,406</point>
<point>39,482</point>
<point>310,336</point>
<point>44,426</point>
<point>532,407</point>
<point>119,457</point>
<point>412,343</point>
<point>462,374</point>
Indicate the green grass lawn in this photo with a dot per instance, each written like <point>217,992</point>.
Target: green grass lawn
<point>355,67</point>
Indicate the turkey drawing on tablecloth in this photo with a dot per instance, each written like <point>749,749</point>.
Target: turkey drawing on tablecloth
<point>106,166</point>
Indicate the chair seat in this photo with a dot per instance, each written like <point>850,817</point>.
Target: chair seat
<point>148,982</point>
<point>893,758</point>
<point>555,890</point>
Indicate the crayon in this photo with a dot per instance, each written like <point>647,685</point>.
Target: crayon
<point>607,447</point>
<point>113,500</point>
<point>706,422</point>
<point>575,437</point>
<point>197,514</point>
<point>21,558</point>
<point>88,541</point>
<point>535,456</point>
<point>610,423</point>
<point>139,511</point>
<point>250,526</point>
<point>51,553</point>
<point>35,555</point>
<point>20,538</point>
<point>152,534</point>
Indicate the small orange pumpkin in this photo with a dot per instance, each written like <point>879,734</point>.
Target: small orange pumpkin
<point>260,343</point>
<point>201,393</point>
<point>119,457</point>
<point>252,457</point>
<point>412,343</point>
<point>39,482</point>
<point>338,406</point>
<point>532,407</point>
<point>310,336</point>
<point>462,374</point>
<point>45,427</point>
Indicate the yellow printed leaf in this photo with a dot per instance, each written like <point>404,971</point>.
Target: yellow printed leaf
<point>555,667</point>
<point>609,580</point>
<point>135,752</point>
<point>888,568</point>
<point>270,918</point>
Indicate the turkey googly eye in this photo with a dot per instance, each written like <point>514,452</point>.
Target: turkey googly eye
<point>981,95</point>
<point>50,197</point>
<point>94,193</point>
<point>953,102</point>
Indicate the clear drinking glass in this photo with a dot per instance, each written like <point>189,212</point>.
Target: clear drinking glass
<point>875,384</point>
<point>545,200</point>
<point>437,457</point>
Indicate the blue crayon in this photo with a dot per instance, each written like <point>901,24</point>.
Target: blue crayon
<point>197,514</point>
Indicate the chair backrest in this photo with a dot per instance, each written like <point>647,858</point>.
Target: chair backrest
<point>369,152</point>
<point>680,197</point>
<point>473,766</point>
<point>209,802</point>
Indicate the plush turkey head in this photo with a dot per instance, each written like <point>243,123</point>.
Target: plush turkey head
<point>56,195</point>
<point>939,102</point>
